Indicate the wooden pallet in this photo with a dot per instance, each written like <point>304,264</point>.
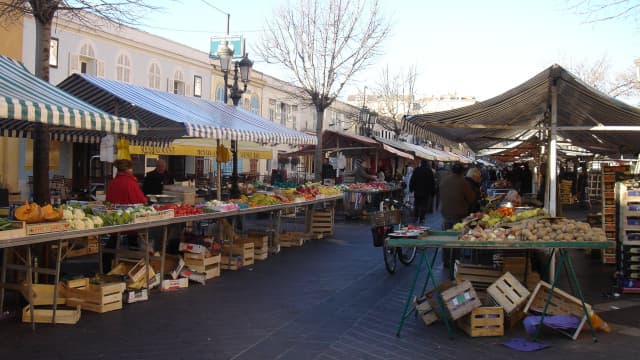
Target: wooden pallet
<point>63,315</point>
<point>98,298</point>
<point>483,321</point>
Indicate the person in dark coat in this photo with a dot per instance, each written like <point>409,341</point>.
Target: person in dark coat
<point>422,185</point>
<point>474,178</point>
<point>155,180</point>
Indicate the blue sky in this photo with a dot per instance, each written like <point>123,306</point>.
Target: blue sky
<point>474,48</point>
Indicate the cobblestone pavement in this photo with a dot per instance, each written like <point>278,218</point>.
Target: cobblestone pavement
<point>329,299</point>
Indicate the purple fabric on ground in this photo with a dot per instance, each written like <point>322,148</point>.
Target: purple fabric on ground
<point>521,344</point>
<point>559,322</point>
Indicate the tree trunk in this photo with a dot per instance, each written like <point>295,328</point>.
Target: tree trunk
<point>317,160</point>
<point>41,136</point>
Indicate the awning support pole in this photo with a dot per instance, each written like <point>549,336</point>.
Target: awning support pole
<point>552,174</point>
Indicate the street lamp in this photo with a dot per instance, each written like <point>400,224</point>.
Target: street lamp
<point>225,54</point>
<point>368,119</point>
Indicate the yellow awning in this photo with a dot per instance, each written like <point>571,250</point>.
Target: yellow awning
<point>198,147</point>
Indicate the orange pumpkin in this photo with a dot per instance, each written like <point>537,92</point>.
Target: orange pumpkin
<point>51,214</point>
<point>29,213</point>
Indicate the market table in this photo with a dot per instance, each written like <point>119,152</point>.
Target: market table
<point>354,199</point>
<point>450,239</point>
<point>29,240</point>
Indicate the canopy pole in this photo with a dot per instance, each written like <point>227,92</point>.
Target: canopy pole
<point>552,174</point>
<point>218,173</point>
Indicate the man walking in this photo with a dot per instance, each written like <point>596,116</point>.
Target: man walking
<point>422,185</point>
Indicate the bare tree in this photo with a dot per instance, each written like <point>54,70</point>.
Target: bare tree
<point>599,75</point>
<point>323,44</point>
<point>605,10</point>
<point>44,11</point>
<point>396,92</point>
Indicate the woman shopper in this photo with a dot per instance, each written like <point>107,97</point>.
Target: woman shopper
<point>422,185</point>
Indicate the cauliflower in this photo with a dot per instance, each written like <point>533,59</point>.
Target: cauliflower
<point>77,224</point>
<point>97,221</point>
<point>67,214</point>
<point>88,223</point>
<point>78,214</point>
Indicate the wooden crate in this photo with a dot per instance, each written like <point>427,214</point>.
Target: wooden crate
<point>205,267</point>
<point>45,316</point>
<point>562,303</point>
<point>245,251</point>
<point>259,242</point>
<point>98,298</point>
<point>131,296</point>
<point>47,227</point>
<point>43,294</point>
<point>261,253</point>
<point>292,238</point>
<point>483,321</point>
<point>233,262</point>
<point>508,292</point>
<point>137,272</point>
<point>425,311</point>
<point>480,276</point>
<point>18,229</point>
<point>459,299</point>
<point>322,222</point>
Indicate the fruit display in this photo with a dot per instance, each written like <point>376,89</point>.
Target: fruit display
<point>262,199</point>
<point>179,210</point>
<point>371,186</point>
<point>546,229</point>
<point>81,219</point>
<point>218,206</point>
<point>496,217</point>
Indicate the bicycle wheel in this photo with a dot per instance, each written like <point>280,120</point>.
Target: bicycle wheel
<point>407,254</point>
<point>389,258</point>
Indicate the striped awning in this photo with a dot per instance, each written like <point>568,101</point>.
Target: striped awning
<point>26,100</point>
<point>166,116</point>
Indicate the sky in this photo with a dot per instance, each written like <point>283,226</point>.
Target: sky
<point>467,47</point>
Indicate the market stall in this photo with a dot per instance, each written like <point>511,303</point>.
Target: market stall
<point>140,220</point>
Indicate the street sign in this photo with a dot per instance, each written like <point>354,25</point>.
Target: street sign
<point>236,43</point>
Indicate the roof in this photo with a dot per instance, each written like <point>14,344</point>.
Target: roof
<point>584,115</point>
<point>165,116</point>
<point>26,100</point>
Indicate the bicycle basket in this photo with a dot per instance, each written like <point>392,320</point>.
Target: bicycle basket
<point>378,218</point>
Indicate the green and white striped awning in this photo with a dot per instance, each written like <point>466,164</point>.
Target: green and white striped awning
<point>26,100</point>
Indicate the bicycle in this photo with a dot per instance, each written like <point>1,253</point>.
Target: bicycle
<point>383,222</point>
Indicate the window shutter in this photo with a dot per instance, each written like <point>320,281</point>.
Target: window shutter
<point>100,69</point>
<point>74,63</point>
<point>187,89</point>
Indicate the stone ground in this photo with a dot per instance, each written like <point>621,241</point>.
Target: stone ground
<point>329,299</point>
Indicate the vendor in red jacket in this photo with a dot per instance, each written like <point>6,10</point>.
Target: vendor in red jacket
<point>124,188</point>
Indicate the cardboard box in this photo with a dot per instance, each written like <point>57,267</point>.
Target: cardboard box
<point>177,284</point>
<point>136,295</point>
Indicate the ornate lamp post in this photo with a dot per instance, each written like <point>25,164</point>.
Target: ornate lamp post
<point>368,120</point>
<point>235,93</point>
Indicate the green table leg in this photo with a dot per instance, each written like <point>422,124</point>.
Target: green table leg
<point>423,258</point>
<point>546,304</point>
<point>433,261</point>
<point>576,285</point>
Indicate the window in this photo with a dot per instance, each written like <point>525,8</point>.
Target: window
<point>272,110</point>
<point>255,104</point>
<point>197,86</point>
<point>53,53</point>
<point>123,68</point>
<point>220,93</point>
<point>154,76</point>
<point>86,62</point>
<point>178,83</point>
<point>292,113</point>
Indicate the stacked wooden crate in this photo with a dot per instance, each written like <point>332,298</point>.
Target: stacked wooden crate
<point>100,298</point>
<point>237,255</point>
<point>566,196</point>
<point>511,295</point>
<point>203,265</point>
<point>322,223</point>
